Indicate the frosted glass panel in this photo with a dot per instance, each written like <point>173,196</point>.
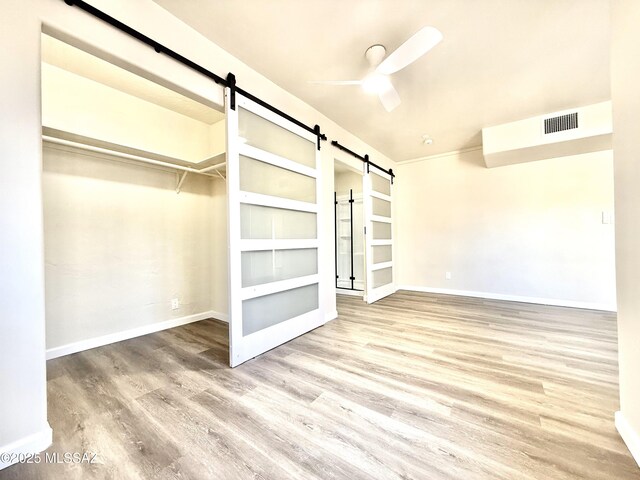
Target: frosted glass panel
<point>381,253</point>
<point>257,222</point>
<point>381,231</point>
<point>379,184</point>
<point>262,312</point>
<point>261,177</point>
<point>382,277</point>
<point>381,207</point>
<point>272,265</point>
<point>268,136</point>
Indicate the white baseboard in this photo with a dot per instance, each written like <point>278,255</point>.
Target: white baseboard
<point>514,298</point>
<point>89,343</point>
<point>353,293</point>
<point>629,435</point>
<point>223,317</point>
<point>34,443</point>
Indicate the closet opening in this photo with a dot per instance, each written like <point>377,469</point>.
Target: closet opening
<point>349,230</point>
<point>135,202</point>
<point>168,202</point>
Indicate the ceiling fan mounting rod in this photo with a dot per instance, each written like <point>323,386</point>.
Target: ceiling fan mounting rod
<point>374,54</point>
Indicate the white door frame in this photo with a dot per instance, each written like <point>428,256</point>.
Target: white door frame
<point>357,200</point>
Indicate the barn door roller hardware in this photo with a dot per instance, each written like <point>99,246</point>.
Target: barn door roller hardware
<point>364,159</point>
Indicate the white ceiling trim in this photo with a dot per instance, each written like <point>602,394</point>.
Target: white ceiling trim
<point>441,155</point>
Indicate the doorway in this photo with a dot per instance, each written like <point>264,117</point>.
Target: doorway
<point>363,230</point>
<point>134,202</point>
<point>349,230</point>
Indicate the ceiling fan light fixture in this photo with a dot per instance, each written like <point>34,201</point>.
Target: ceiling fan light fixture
<point>382,65</point>
<point>376,83</point>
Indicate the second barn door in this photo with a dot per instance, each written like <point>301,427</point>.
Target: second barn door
<point>378,234</point>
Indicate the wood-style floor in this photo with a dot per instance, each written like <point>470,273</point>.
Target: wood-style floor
<point>417,386</point>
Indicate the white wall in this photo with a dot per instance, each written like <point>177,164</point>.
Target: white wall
<point>345,181</point>
<point>625,71</point>
<point>217,138</point>
<point>23,407</point>
<point>77,105</point>
<point>530,231</point>
<point>22,329</point>
<point>120,243</point>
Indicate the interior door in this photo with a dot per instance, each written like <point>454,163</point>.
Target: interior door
<point>273,195</point>
<point>378,234</point>
<point>349,242</point>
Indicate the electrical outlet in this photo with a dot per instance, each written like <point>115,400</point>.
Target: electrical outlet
<point>447,275</point>
<point>175,304</point>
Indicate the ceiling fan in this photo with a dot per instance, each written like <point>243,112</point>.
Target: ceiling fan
<point>378,81</point>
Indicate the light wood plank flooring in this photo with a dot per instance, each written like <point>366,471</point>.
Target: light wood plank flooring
<point>417,386</point>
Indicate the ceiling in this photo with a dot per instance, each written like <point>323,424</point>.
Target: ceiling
<point>500,60</point>
<point>74,60</point>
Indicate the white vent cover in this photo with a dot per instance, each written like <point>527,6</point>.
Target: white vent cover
<point>560,123</point>
<point>554,135</point>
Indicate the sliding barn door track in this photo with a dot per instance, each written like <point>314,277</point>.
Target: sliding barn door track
<point>364,159</point>
<point>229,81</point>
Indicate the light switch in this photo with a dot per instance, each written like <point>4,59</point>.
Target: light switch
<point>607,218</point>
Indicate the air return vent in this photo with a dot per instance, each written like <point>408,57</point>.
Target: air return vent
<point>553,135</point>
<point>561,123</point>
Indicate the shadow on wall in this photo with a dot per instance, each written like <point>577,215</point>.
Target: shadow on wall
<point>473,142</point>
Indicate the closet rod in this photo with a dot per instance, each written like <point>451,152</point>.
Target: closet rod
<point>365,159</point>
<point>213,167</point>
<point>160,48</point>
<point>127,156</point>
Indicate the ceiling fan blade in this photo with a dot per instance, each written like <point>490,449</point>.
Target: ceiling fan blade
<point>419,44</point>
<point>335,82</point>
<point>389,98</point>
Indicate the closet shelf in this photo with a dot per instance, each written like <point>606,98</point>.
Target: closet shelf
<point>83,143</point>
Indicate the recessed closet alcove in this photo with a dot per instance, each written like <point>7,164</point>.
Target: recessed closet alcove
<point>163,206</point>
<point>134,202</point>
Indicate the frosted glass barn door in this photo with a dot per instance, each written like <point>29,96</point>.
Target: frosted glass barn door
<point>273,191</point>
<point>378,235</point>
